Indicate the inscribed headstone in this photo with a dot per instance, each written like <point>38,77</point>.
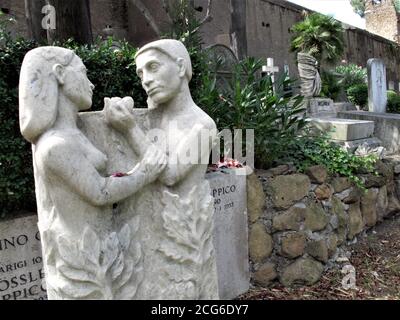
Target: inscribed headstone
<point>377,87</point>
<point>230,231</point>
<point>21,268</point>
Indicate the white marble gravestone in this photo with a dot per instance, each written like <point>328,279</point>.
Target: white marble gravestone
<point>230,231</point>
<point>377,86</point>
<point>21,268</point>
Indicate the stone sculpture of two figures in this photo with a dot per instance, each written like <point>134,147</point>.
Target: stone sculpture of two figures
<point>123,213</point>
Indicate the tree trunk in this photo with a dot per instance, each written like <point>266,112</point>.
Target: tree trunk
<point>72,21</point>
<point>238,29</point>
<point>34,17</point>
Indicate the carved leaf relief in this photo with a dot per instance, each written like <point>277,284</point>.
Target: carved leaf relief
<point>188,224</point>
<point>92,268</point>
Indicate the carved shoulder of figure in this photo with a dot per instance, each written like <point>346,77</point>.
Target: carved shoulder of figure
<point>50,148</point>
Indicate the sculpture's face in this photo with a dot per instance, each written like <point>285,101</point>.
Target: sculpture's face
<point>160,75</point>
<point>77,87</point>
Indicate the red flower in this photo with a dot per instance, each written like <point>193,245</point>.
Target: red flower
<point>229,163</point>
<point>118,175</point>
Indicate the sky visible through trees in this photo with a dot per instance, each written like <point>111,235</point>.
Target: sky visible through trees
<point>339,9</point>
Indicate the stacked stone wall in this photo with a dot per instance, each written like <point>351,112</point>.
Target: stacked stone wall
<point>300,224</point>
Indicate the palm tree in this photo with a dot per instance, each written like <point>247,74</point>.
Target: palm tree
<point>320,36</point>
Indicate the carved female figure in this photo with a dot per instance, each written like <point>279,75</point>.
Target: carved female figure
<point>87,255</point>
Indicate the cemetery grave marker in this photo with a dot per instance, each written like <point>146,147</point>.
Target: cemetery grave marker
<point>230,231</point>
<point>21,268</point>
<point>377,87</point>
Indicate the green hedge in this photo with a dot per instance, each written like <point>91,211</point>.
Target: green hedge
<point>16,181</point>
<point>358,94</point>
<point>393,102</point>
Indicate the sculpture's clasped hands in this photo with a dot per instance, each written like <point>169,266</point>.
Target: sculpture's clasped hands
<point>118,113</point>
<point>153,163</point>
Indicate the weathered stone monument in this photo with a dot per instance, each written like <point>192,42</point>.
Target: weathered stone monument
<point>377,86</point>
<point>310,84</point>
<point>345,129</point>
<point>309,75</point>
<point>321,108</point>
<point>21,268</point>
<point>322,112</point>
<point>123,213</point>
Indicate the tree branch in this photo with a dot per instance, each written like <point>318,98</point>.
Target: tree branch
<point>165,6</point>
<point>208,16</point>
<point>146,13</point>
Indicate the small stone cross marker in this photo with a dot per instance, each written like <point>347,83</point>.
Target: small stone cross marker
<point>270,70</point>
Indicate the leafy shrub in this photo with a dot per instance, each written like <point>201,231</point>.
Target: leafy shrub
<point>393,102</point>
<point>16,173</point>
<point>358,95</point>
<point>112,70</point>
<point>320,36</point>
<point>397,5</point>
<point>331,87</point>
<point>311,149</point>
<point>281,134</point>
<point>251,103</point>
<point>351,75</point>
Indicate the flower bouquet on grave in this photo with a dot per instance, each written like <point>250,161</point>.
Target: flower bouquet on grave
<point>226,163</point>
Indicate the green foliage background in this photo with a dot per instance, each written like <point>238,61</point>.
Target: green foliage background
<point>358,94</point>
<point>393,102</point>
